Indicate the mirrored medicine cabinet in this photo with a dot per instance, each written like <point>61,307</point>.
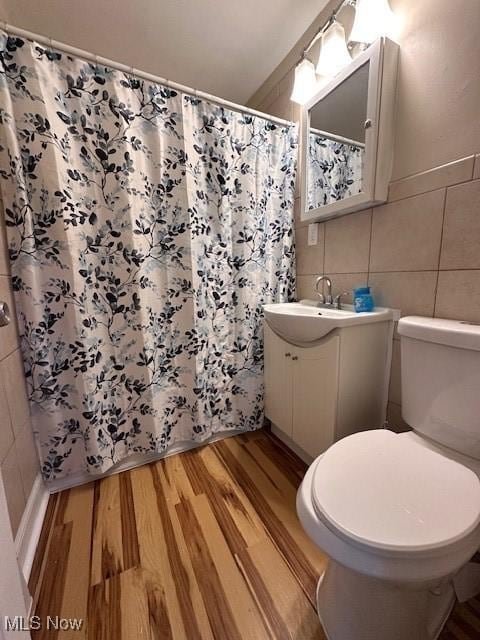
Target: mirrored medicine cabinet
<point>347,136</point>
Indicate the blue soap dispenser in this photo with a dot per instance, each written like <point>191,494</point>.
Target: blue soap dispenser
<point>363,299</point>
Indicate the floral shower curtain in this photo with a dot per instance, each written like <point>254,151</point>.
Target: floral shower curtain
<point>334,170</point>
<point>146,229</point>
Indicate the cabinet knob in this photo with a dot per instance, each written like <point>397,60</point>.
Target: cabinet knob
<point>287,355</point>
<point>295,358</point>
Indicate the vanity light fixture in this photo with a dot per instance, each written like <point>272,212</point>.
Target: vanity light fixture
<point>305,82</point>
<point>333,57</point>
<point>373,18</point>
<point>334,53</point>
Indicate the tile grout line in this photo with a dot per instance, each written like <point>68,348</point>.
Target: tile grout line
<point>370,246</point>
<point>324,245</point>
<point>440,253</point>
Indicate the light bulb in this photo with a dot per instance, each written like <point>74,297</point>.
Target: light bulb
<point>334,53</point>
<point>322,81</point>
<point>305,82</point>
<point>373,19</point>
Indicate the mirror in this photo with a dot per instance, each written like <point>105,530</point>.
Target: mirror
<point>336,142</point>
<point>347,136</point>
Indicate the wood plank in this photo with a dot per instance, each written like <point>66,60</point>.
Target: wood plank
<point>63,498</point>
<point>248,436</point>
<point>154,555</point>
<point>178,485</point>
<point>79,512</point>
<point>446,635</point>
<point>457,632</point>
<point>283,601</point>
<point>216,601</point>
<point>52,589</point>
<point>119,608</point>
<point>290,464</point>
<point>474,605</point>
<point>107,548</point>
<point>305,560</point>
<point>470,617</point>
<point>194,616</point>
<point>104,610</point>
<point>281,496</point>
<point>216,491</point>
<point>230,606</point>
<point>265,602</point>
<point>159,620</point>
<point>131,554</point>
<point>276,476</point>
<point>243,515</point>
<point>464,622</point>
<point>135,608</point>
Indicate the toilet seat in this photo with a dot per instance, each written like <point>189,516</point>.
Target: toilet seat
<point>391,494</point>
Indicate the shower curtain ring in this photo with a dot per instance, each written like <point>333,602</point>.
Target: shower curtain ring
<point>50,43</point>
<point>132,75</point>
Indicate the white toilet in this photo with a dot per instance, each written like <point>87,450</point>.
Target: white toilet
<point>398,515</point>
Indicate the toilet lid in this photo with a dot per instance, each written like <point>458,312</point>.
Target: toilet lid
<point>383,490</point>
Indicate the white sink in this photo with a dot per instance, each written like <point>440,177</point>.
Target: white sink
<point>305,321</point>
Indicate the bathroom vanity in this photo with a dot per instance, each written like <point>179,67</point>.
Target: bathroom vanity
<point>326,373</point>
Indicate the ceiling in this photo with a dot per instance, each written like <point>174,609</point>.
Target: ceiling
<point>225,47</point>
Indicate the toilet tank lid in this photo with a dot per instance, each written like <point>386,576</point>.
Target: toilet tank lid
<point>454,333</point>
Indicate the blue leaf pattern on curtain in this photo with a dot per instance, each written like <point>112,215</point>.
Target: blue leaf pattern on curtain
<point>334,170</point>
<point>146,229</point>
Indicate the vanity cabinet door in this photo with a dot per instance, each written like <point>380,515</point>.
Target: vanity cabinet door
<point>315,386</point>
<point>278,381</point>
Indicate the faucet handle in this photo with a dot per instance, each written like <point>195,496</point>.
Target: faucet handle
<point>337,299</point>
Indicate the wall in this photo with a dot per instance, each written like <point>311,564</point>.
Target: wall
<point>18,456</point>
<point>224,48</point>
<point>421,250</point>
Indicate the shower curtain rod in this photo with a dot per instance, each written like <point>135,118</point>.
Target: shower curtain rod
<point>91,57</point>
<point>338,138</point>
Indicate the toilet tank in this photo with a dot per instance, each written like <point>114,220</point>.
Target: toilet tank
<point>440,364</point>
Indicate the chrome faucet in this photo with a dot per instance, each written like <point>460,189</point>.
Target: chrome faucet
<point>328,298</point>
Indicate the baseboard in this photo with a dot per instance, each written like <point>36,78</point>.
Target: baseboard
<point>136,460</point>
<point>28,533</point>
